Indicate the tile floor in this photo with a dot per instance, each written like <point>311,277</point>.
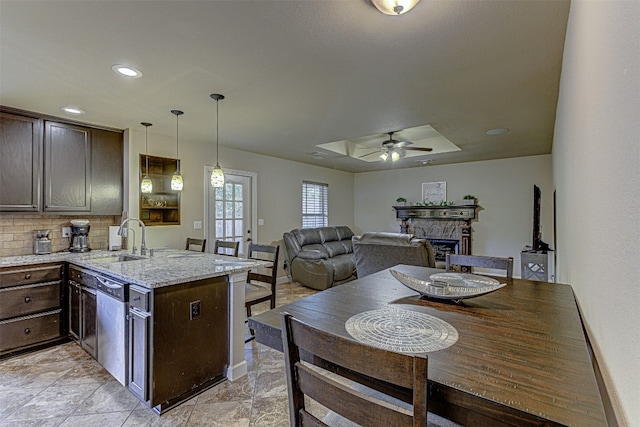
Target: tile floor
<point>64,386</point>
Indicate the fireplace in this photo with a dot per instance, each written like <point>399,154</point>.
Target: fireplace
<point>448,228</point>
<point>442,247</point>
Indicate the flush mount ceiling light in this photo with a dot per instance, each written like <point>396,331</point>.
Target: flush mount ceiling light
<point>498,131</point>
<point>217,175</point>
<point>394,7</point>
<point>146,186</point>
<point>176,180</point>
<point>127,71</point>
<point>72,110</point>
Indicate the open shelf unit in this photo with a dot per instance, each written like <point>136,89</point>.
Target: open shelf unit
<point>162,205</point>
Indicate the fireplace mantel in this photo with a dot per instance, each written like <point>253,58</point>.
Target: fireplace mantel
<point>467,212</point>
<point>462,214</point>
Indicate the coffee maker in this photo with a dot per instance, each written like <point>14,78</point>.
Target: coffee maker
<point>79,238</point>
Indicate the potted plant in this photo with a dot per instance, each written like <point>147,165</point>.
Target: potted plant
<point>401,201</point>
<point>469,199</point>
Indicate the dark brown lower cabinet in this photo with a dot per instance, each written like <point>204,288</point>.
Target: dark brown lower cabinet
<point>178,341</point>
<point>83,312</point>
<point>30,307</point>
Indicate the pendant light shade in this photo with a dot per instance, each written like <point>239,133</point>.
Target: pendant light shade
<point>217,175</point>
<point>146,186</point>
<point>176,180</point>
<point>394,7</point>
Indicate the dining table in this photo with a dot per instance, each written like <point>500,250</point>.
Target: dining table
<point>517,356</point>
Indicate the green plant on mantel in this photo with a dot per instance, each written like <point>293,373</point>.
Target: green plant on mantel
<point>401,200</point>
<point>469,197</point>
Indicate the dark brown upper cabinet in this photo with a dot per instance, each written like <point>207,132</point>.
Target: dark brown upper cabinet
<point>20,159</point>
<point>48,165</point>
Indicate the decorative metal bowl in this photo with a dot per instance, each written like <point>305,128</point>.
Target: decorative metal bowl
<point>451,286</point>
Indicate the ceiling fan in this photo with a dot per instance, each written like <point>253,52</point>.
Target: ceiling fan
<point>395,150</point>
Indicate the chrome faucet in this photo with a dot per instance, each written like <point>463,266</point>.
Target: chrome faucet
<point>143,244</point>
<point>133,247</point>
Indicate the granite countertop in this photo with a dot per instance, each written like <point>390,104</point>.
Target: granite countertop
<point>165,268</point>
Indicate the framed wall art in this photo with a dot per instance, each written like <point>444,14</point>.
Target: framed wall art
<point>434,192</point>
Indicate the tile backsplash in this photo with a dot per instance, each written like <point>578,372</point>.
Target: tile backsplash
<point>17,232</point>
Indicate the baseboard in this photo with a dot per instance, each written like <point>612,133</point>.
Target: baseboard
<point>237,371</point>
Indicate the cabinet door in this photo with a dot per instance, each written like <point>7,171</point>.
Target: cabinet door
<point>107,172</point>
<point>67,168</point>
<point>139,353</point>
<point>89,336</point>
<point>74,310</point>
<point>20,171</point>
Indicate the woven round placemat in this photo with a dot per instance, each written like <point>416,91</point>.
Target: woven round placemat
<point>403,331</point>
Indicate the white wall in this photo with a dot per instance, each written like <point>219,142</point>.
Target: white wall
<point>504,189</point>
<point>279,188</point>
<point>596,165</point>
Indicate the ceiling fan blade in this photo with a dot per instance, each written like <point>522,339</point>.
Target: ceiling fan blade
<point>368,154</point>
<point>401,144</point>
<point>419,148</point>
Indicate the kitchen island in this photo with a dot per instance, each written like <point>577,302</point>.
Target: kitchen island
<point>195,306</point>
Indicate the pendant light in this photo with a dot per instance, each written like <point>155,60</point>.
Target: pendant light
<point>176,180</point>
<point>146,186</point>
<point>217,176</point>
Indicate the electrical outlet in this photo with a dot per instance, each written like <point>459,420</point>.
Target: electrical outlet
<point>197,225</point>
<point>194,310</point>
<point>66,231</point>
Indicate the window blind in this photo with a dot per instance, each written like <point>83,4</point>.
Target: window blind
<point>314,204</point>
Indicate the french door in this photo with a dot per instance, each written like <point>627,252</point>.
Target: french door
<point>230,209</point>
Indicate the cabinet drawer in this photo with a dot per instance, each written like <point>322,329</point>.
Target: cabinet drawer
<point>29,275</point>
<point>139,298</point>
<point>82,277</point>
<point>28,330</point>
<point>23,300</point>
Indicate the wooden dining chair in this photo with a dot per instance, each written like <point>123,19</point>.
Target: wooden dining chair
<point>225,247</point>
<point>197,245</point>
<point>261,287</point>
<point>350,399</point>
<point>480,261</point>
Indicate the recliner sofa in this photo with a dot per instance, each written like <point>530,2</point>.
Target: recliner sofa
<point>376,251</point>
<point>322,257</point>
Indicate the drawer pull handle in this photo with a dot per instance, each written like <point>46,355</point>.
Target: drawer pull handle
<point>27,299</point>
<point>27,276</point>
<point>137,298</point>
<point>27,331</point>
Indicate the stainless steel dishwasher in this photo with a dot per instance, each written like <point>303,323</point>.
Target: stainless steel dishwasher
<point>113,327</point>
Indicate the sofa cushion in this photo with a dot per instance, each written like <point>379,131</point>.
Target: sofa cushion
<point>307,236</point>
<point>328,234</point>
<point>343,267</point>
<point>335,248</point>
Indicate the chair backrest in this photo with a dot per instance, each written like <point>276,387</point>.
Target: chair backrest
<point>225,247</point>
<point>362,362</point>
<point>481,261</point>
<point>376,251</point>
<point>197,245</point>
<point>264,253</point>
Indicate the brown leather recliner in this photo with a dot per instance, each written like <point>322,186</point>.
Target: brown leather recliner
<point>376,251</point>
<point>320,258</point>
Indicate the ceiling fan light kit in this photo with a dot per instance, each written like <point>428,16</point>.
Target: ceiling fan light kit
<point>394,7</point>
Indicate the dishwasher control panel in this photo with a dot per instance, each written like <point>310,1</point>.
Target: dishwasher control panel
<point>110,287</point>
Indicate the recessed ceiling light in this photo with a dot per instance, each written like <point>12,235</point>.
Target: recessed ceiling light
<point>72,110</point>
<point>498,131</point>
<point>127,71</point>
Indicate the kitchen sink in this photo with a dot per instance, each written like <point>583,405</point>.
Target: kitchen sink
<point>116,258</point>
